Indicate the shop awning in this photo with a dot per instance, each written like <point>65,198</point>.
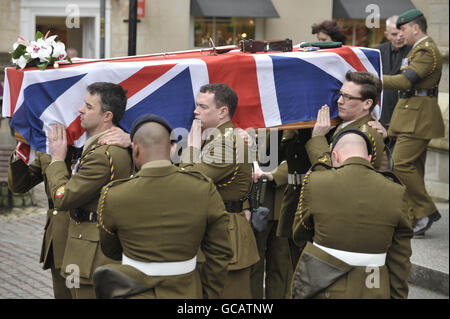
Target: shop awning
<point>353,9</point>
<point>234,8</point>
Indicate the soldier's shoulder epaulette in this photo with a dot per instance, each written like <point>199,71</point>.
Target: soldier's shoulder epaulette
<point>114,148</point>
<point>424,46</point>
<point>114,183</point>
<point>390,175</point>
<point>117,182</point>
<point>196,174</point>
<point>104,192</point>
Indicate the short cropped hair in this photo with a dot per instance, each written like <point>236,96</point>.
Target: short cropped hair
<point>370,85</point>
<point>113,98</point>
<point>223,95</point>
<point>421,22</point>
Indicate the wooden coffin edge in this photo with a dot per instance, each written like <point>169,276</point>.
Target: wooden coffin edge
<point>290,126</point>
<point>303,125</point>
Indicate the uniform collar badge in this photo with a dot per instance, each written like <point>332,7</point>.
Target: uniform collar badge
<point>323,159</point>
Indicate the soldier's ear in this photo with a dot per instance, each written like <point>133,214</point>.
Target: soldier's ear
<point>108,116</point>
<point>135,150</point>
<point>335,159</point>
<point>173,149</point>
<point>224,111</point>
<point>368,104</point>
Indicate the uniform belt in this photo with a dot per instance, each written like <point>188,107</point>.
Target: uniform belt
<point>295,179</point>
<point>161,268</point>
<point>419,92</point>
<point>80,215</point>
<point>356,259</point>
<point>233,207</point>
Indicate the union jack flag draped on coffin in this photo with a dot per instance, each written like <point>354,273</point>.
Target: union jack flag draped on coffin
<point>273,88</point>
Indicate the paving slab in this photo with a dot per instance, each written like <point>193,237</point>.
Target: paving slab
<point>430,255</point>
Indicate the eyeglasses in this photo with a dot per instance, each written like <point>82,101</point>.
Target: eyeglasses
<point>348,97</point>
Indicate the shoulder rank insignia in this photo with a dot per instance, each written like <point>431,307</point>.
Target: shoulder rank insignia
<point>364,128</point>
<point>60,191</point>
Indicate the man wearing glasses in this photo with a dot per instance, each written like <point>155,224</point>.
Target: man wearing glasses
<point>358,96</point>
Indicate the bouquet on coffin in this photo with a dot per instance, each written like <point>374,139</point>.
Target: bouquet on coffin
<point>41,52</point>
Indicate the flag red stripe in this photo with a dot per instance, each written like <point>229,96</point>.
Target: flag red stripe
<point>74,131</point>
<point>349,56</point>
<point>144,77</point>
<point>15,79</point>
<point>239,72</point>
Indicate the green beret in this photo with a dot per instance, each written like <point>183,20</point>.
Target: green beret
<point>408,16</point>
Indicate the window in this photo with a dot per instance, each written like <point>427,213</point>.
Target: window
<point>358,34</point>
<point>223,31</point>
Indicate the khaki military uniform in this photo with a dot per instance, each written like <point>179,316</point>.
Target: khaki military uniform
<point>292,149</point>
<point>99,164</point>
<point>274,251</point>
<point>161,215</point>
<point>317,146</point>
<point>350,230</point>
<point>225,160</point>
<point>415,121</point>
<point>22,178</point>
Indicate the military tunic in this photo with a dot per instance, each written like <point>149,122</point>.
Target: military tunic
<point>22,178</point>
<point>292,149</point>
<point>225,159</point>
<point>415,121</point>
<point>275,264</point>
<point>99,164</point>
<point>338,210</point>
<point>179,212</point>
<point>318,145</point>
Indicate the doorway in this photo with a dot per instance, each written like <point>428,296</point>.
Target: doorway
<point>72,38</point>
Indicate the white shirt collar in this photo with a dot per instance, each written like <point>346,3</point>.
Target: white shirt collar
<point>415,44</point>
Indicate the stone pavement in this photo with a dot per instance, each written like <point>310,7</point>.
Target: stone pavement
<point>21,232</point>
<point>22,277</point>
<point>430,258</point>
